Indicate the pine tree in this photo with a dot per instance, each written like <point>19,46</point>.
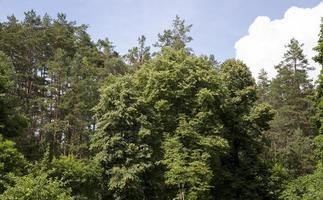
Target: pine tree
<point>310,186</point>
<point>319,48</point>
<point>290,92</point>
<point>263,86</point>
<point>139,55</point>
<point>318,116</point>
<point>12,123</point>
<point>58,71</point>
<point>30,44</point>
<point>177,37</point>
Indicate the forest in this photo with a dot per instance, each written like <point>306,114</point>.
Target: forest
<point>80,121</point>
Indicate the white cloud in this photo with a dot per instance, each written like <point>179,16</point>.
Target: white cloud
<point>264,46</point>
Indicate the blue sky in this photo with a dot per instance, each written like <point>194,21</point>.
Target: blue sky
<point>217,25</point>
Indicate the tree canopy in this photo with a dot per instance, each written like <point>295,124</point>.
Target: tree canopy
<point>79,120</point>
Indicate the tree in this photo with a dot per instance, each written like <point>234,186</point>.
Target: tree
<point>171,125</point>
<point>291,129</point>
<point>177,37</point>
<point>30,44</point>
<point>186,97</point>
<point>55,64</point>
<point>177,117</point>
<point>121,147</point>
<point>11,123</point>
<point>263,86</point>
<point>169,105</point>
<point>244,123</point>
<point>139,55</point>
<point>112,61</point>
<point>319,48</point>
<point>318,104</point>
<point>12,162</point>
<point>54,126</point>
<point>318,101</point>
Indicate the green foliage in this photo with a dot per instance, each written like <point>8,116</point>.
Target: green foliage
<point>308,186</point>
<point>318,116</point>
<point>290,142</point>
<point>278,179</point>
<point>290,88</point>
<point>112,62</point>
<point>36,187</point>
<point>167,125</point>
<point>119,140</point>
<point>176,97</point>
<point>318,151</point>
<point>184,97</point>
<point>57,72</point>
<point>175,111</point>
<point>11,123</point>
<point>12,163</point>
<point>246,175</point>
<point>318,100</point>
<point>319,48</point>
<point>82,176</point>
<point>290,136</point>
<point>189,168</point>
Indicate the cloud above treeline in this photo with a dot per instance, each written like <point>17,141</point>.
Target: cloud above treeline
<point>264,46</point>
